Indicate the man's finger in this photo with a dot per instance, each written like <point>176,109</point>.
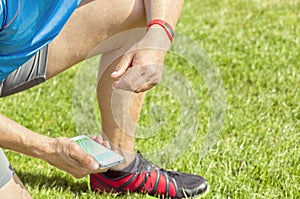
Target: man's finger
<point>122,66</point>
<point>97,138</point>
<point>106,144</point>
<point>128,80</point>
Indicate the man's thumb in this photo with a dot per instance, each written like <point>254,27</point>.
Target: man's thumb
<point>94,164</point>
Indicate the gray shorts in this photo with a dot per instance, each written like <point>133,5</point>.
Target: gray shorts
<point>6,171</point>
<point>28,75</point>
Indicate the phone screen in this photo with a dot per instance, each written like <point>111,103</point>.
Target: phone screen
<point>103,155</point>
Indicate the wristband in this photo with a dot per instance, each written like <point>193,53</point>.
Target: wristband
<point>168,29</point>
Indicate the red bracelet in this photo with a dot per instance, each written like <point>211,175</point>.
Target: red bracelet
<point>168,29</point>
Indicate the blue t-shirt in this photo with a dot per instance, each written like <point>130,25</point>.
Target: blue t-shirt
<point>26,26</point>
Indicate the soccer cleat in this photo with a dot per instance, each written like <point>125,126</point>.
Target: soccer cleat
<point>149,179</point>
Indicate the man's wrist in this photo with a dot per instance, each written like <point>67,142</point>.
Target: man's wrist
<point>157,38</point>
<point>167,28</point>
<point>42,147</point>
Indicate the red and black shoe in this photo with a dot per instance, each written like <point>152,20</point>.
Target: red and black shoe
<point>149,179</point>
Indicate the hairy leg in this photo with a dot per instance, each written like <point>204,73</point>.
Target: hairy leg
<point>119,109</point>
<point>92,24</point>
<point>14,189</point>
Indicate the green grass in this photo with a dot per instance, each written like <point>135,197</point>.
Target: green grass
<point>256,47</point>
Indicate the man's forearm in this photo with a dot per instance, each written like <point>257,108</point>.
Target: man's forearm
<point>15,137</point>
<point>167,10</point>
<point>63,153</point>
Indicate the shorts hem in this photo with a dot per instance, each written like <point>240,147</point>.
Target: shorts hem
<point>6,178</point>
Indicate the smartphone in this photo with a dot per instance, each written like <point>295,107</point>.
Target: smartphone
<point>106,157</point>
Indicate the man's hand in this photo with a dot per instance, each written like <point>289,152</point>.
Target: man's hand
<point>62,153</point>
<point>68,156</point>
<point>141,67</point>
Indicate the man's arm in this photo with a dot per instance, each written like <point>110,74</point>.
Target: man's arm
<point>141,67</point>
<point>20,139</point>
<point>63,153</point>
<point>167,10</point>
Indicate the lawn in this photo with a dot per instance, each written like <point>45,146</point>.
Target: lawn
<point>255,45</point>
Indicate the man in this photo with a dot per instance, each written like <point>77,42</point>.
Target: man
<point>40,39</point>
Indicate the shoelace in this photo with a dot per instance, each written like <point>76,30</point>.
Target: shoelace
<point>146,167</point>
<point>172,174</point>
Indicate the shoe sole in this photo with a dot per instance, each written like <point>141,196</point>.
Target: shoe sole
<point>200,195</point>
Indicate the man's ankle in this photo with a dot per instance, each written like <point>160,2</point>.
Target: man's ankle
<point>129,160</point>
<point>112,173</point>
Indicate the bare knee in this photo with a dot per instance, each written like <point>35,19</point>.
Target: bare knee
<point>14,189</point>
<point>90,25</point>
